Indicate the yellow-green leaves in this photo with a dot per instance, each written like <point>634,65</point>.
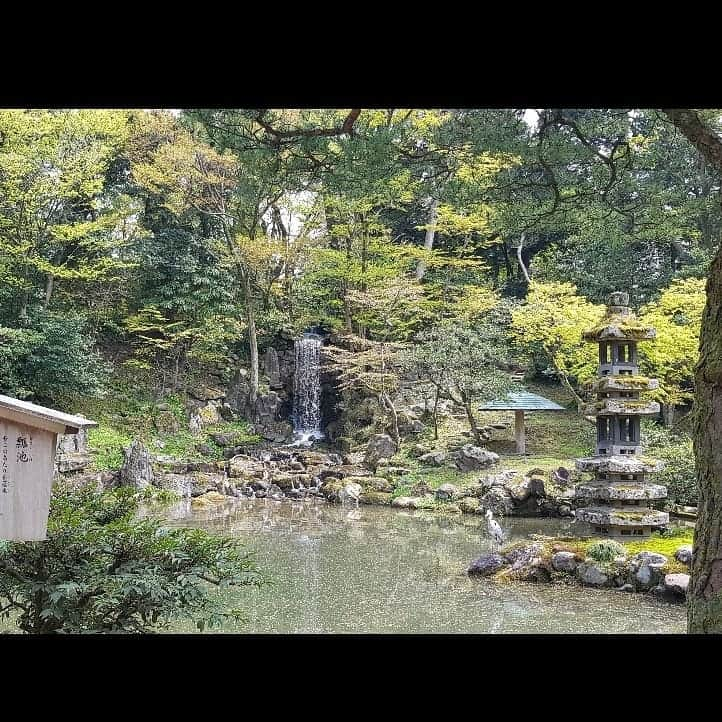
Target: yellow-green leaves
<point>672,356</point>
<point>475,302</point>
<point>53,167</point>
<point>553,318</point>
<point>189,174</point>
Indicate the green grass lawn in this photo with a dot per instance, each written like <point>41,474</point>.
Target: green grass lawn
<point>554,439</point>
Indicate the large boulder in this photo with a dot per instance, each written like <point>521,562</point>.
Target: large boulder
<point>371,483</point>
<point>405,502</point>
<point>350,493</point>
<point>190,484</point>
<point>206,393</point>
<point>536,487</point>
<point>528,564</point>
<point>375,497</point>
<point>137,468</point>
<point>684,554</point>
<point>210,414</point>
<point>647,557</point>
<point>72,452</point>
<point>272,368</point>
<point>486,565</point>
<point>166,422</point>
<point>474,458</point>
<point>380,446</point>
<point>212,498</point>
<point>228,438</point>
<point>503,478</point>
<point>590,574</point>
<point>268,421</point>
<point>446,492</point>
<point>648,575</point>
<point>244,467</point>
<point>66,463</point>
<point>498,500</point>
<point>523,554</point>
<point>73,443</point>
<point>331,488</point>
<point>469,504</point>
<point>561,476</point>
<point>564,562</point>
<point>519,489</point>
<point>677,584</point>
<point>434,458</point>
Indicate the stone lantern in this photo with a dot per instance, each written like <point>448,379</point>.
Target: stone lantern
<point>617,500</point>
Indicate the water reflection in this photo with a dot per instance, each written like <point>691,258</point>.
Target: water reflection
<point>374,569</point>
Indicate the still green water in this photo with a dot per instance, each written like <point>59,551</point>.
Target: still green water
<point>376,569</point>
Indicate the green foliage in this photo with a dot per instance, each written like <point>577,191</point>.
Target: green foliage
<point>54,220</point>
<point>106,446</point>
<point>605,550</point>
<point>464,361</point>
<point>127,411</point>
<point>551,323</point>
<point>16,344</point>
<point>671,357</point>
<point>679,474</point>
<point>665,542</point>
<point>101,570</point>
<point>53,361</point>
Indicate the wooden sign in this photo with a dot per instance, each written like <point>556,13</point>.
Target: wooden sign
<point>28,439</point>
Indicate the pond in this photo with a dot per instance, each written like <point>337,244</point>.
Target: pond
<point>376,569</point>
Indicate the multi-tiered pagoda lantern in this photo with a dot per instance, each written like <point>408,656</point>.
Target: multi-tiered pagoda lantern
<point>618,500</point>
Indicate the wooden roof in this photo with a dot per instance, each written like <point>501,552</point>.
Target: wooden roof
<point>522,401</point>
<point>41,417</point>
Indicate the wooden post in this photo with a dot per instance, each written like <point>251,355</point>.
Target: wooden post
<point>519,434</point>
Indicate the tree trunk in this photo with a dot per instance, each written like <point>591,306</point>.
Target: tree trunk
<point>429,238</point>
<point>436,418</point>
<point>23,313</point>
<point>472,421</point>
<point>361,329</point>
<point>668,415</point>
<point>252,344</point>
<point>49,284</point>
<point>521,259</point>
<point>704,596</point>
<point>346,302</point>
<point>387,404</point>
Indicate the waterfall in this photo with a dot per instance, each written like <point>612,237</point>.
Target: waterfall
<point>307,389</point>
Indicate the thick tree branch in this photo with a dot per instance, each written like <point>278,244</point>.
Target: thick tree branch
<point>346,128</point>
<point>708,143</point>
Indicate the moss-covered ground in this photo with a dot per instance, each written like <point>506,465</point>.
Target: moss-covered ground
<point>127,412</point>
<point>663,543</point>
<point>554,439</point>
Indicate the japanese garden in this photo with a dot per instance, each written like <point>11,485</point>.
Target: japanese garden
<point>360,371</point>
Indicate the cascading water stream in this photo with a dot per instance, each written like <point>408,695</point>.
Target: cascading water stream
<point>307,390</point>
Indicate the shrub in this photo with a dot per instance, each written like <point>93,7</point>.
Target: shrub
<point>605,550</point>
<point>679,474</point>
<point>102,570</point>
<point>51,360</point>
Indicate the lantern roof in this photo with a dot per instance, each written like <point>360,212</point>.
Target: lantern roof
<point>521,401</point>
